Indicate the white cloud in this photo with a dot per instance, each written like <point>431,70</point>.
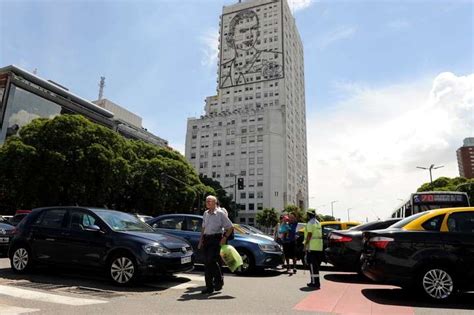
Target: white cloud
<point>210,51</point>
<point>342,32</point>
<point>298,5</point>
<point>366,150</point>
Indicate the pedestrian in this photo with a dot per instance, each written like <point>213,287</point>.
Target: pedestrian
<point>313,247</point>
<point>289,242</point>
<point>214,220</point>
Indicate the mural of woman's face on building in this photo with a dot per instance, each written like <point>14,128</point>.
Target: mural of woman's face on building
<point>246,35</point>
<point>244,30</point>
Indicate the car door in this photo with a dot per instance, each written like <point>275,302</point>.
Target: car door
<point>192,233</point>
<point>47,236</point>
<point>85,247</point>
<point>459,242</point>
<point>172,224</point>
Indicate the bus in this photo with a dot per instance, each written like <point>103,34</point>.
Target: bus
<point>428,200</point>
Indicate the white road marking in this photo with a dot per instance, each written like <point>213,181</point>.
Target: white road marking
<point>190,276</point>
<point>46,297</point>
<point>13,310</point>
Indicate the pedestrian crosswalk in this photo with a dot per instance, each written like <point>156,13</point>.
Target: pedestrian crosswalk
<point>17,298</point>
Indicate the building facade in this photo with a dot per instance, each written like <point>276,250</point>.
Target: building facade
<point>465,156</point>
<point>25,96</point>
<point>255,127</point>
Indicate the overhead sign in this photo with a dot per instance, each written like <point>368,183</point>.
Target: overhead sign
<point>438,198</point>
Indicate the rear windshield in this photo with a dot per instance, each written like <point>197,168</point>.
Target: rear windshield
<point>407,220</point>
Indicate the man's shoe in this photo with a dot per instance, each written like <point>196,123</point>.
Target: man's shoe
<point>218,287</point>
<point>207,291</point>
<point>294,270</point>
<point>313,285</point>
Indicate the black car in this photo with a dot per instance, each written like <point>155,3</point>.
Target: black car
<point>431,251</point>
<point>98,238</point>
<point>345,247</point>
<point>6,233</point>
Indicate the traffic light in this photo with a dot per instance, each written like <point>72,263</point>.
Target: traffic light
<point>240,183</point>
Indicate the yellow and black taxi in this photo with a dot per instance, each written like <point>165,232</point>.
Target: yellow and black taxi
<point>432,251</point>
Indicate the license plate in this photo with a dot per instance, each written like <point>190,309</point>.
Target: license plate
<point>185,260</point>
<point>4,239</point>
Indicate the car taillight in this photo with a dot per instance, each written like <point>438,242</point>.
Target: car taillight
<point>380,242</point>
<point>334,238</point>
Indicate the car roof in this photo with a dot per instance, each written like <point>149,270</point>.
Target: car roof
<point>189,215</point>
<point>415,224</point>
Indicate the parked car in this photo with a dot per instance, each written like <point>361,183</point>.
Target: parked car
<point>345,247</point>
<point>247,229</point>
<point>144,217</point>
<point>327,227</point>
<point>105,239</point>
<point>432,251</point>
<point>19,215</point>
<point>256,252</point>
<point>6,233</point>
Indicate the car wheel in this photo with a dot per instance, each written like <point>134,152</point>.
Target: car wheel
<point>437,283</point>
<point>248,262</point>
<point>123,269</point>
<point>21,259</point>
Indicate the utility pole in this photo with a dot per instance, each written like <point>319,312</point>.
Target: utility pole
<point>348,217</point>
<point>430,168</point>
<point>332,208</point>
<point>101,87</point>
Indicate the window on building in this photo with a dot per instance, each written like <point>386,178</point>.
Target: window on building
<point>251,206</point>
<point>251,195</point>
<point>260,206</point>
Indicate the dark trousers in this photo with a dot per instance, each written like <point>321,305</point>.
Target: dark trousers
<point>314,258</point>
<point>211,252</point>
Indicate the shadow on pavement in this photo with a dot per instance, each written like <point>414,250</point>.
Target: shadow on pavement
<point>348,278</point>
<point>44,277</point>
<point>402,297</point>
<point>193,294</point>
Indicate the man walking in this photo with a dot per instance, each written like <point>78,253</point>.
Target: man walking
<point>214,221</point>
<point>313,247</point>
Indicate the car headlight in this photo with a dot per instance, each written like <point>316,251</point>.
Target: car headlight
<point>269,247</point>
<point>156,249</point>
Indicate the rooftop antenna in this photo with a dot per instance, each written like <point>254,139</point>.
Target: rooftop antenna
<point>101,87</point>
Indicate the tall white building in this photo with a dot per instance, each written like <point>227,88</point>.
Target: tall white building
<point>255,127</point>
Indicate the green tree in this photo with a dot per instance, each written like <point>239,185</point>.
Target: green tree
<point>451,184</point>
<point>299,214</point>
<point>69,160</point>
<point>267,218</point>
<point>221,194</point>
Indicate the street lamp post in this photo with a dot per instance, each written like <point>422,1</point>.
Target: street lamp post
<point>332,208</point>
<point>432,167</point>
<point>348,217</point>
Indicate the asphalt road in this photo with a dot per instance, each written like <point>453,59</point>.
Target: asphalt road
<point>61,291</point>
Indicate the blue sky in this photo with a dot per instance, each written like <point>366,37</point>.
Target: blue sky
<point>159,60</point>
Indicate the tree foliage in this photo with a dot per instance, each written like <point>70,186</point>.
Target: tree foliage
<point>451,184</point>
<point>224,200</point>
<point>267,218</point>
<point>299,214</point>
<point>69,160</point>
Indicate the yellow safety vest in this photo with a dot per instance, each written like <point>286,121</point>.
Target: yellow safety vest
<point>316,241</point>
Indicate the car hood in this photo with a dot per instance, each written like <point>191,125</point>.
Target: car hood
<point>254,238</point>
<point>167,240</point>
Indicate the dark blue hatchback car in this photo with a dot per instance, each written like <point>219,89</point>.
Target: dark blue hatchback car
<point>115,241</point>
<point>256,251</point>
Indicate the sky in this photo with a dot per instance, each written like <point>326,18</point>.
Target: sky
<point>389,84</point>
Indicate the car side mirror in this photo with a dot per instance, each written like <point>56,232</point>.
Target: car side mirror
<point>93,228</point>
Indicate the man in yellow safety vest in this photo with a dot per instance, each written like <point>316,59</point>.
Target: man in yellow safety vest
<point>313,247</point>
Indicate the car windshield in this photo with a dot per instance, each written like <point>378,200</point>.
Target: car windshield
<point>407,220</point>
<point>251,229</point>
<point>123,222</point>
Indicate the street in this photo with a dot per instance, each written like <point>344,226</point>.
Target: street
<point>52,291</point>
